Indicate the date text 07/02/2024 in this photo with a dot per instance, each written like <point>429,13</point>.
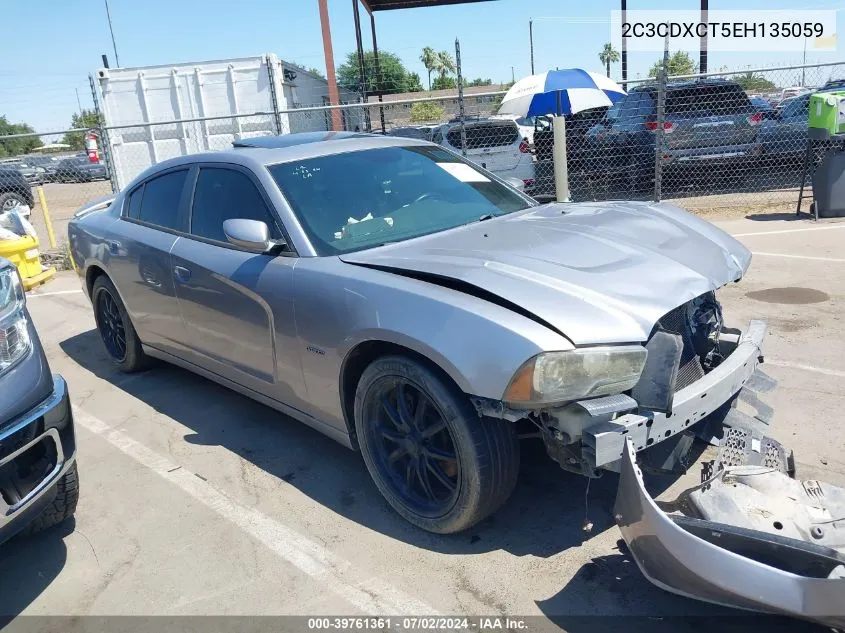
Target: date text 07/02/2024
<point>409,623</point>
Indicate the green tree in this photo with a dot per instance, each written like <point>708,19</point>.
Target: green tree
<point>478,81</point>
<point>431,62</point>
<point>680,63</point>
<point>17,146</point>
<point>442,83</point>
<point>446,64</point>
<point>414,84</point>
<point>86,119</point>
<point>426,111</point>
<point>394,76</point>
<point>608,56</point>
<point>751,82</point>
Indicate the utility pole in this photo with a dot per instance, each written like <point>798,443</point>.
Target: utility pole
<point>804,64</point>
<point>78,102</point>
<point>111,30</point>
<point>702,49</point>
<point>328,53</point>
<point>531,42</point>
<point>624,8</point>
<point>513,77</point>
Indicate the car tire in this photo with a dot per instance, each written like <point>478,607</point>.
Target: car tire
<point>11,198</point>
<point>115,327</point>
<point>470,463</point>
<point>62,507</point>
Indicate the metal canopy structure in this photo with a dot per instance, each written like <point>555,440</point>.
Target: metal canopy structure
<point>389,5</point>
<point>371,7</point>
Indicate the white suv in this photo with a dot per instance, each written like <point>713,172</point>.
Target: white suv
<point>494,144</point>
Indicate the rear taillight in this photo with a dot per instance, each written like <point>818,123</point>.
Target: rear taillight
<point>524,147</point>
<point>755,119</point>
<point>651,126</point>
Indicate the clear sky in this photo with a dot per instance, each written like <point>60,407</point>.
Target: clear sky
<point>50,46</point>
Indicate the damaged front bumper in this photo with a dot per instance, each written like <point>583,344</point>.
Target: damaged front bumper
<point>728,564</point>
<point>603,442</point>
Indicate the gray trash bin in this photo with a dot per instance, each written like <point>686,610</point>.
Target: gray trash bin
<point>829,185</point>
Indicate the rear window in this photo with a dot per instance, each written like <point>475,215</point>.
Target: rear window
<point>708,100</point>
<point>161,197</point>
<point>488,135</point>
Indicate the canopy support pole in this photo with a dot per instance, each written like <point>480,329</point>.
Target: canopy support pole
<point>561,170</point>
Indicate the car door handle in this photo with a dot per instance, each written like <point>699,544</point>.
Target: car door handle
<point>114,246</point>
<point>182,274</point>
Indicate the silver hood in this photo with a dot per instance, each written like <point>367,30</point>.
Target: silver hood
<point>601,272</point>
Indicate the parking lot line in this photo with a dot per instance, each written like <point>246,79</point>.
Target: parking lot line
<point>803,367</point>
<point>372,595</point>
<point>55,292</point>
<point>780,232</point>
<point>818,259</point>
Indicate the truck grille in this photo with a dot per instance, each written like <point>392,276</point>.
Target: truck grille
<point>689,369</point>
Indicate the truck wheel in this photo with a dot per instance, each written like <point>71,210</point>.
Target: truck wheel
<point>63,506</point>
<point>438,464</point>
<point>116,329</point>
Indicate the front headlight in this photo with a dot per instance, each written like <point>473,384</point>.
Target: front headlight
<point>14,336</point>
<point>555,377</point>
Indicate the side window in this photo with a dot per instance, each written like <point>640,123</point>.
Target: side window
<point>161,197</point>
<point>226,194</point>
<point>133,206</point>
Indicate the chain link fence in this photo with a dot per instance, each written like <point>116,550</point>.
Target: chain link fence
<point>43,177</point>
<point>731,141</point>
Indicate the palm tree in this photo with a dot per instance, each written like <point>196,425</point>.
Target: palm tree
<point>446,65</point>
<point>431,61</point>
<point>608,56</point>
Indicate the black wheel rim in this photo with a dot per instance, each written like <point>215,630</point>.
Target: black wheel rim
<point>412,446</point>
<point>110,325</point>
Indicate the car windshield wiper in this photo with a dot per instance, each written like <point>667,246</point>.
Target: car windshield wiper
<point>486,216</point>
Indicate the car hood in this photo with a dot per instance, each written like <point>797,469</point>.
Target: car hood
<point>601,272</point>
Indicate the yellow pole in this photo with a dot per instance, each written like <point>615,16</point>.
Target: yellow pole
<point>47,220</point>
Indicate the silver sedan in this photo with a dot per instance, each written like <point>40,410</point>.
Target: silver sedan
<point>417,308</point>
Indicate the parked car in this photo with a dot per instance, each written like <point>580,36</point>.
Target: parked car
<point>495,144</point>
<point>763,107</point>
<point>38,476</point>
<point>411,305</point>
<point>414,131</point>
<point>80,169</point>
<point>15,191</point>
<point>710,130</point>
<point>31,174</point>
<point>46,164</point>
<point>527,125</point>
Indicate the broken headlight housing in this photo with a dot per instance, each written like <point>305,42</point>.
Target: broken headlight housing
<point>15,343</point>
<point>556,377</point>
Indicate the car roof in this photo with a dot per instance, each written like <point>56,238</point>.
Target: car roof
<point>687,83</point>
<point>271,150</point>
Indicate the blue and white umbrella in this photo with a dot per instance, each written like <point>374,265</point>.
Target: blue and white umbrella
<point>560,93</point>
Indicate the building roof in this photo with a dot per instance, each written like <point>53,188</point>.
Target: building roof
<point>447,93</point>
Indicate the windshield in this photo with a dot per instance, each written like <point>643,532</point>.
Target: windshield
<point>358,200</point>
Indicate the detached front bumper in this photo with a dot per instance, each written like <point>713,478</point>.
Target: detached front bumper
<point>726,564</point>
<point>603,443</point>
<point>36,449</point>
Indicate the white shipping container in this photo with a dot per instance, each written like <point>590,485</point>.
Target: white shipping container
<point>190,106</point>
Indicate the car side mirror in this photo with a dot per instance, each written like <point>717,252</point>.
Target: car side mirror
<point>251,235</point>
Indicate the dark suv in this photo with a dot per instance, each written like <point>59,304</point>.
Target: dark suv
<point>38,480</point>
<point>710,129</point>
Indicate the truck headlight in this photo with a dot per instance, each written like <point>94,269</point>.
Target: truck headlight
<point>14,336</point>
<point>555,377</point>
